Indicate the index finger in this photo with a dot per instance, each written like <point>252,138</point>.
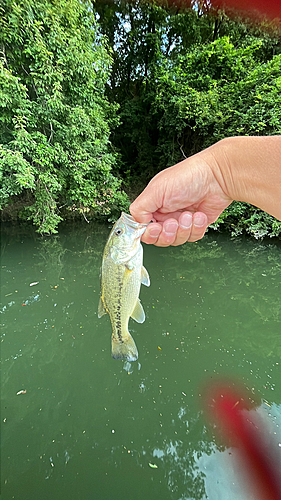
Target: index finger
<point>142,208</point>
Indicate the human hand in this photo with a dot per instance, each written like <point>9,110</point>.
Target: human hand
<point>181,201</point>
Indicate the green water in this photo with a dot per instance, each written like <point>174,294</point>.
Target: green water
<point>88,426</point>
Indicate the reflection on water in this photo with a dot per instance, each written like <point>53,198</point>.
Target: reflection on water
<point>89,426</point>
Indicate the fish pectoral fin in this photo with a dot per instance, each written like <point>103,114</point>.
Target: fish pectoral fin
<point>145,277</point>
<point>138,313</point>
<point>101,309</point>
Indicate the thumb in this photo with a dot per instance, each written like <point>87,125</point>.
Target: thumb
<point>143,207</point>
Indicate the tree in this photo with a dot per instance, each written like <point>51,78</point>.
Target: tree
<point>186,78</point>
<point>55,118</point>
<point>172,73</point>
<point>95,95</point>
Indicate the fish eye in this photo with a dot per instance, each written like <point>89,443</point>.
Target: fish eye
<point>118,232</point>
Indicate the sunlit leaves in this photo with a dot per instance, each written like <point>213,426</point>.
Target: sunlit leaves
<point>56,118</point>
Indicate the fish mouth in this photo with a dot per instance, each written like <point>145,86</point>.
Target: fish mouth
<point>129,245</point>
<point>132,224</point>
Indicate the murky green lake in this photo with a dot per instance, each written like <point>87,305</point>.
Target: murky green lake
<point>88,426</point>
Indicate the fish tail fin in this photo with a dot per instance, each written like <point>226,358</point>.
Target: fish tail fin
<point>124,348</point>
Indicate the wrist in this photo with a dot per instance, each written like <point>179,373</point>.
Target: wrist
<point>224,168</point>
<point>249,169</point>
<point>219,158</point>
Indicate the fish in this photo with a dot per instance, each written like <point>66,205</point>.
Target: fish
<point>122,273</point>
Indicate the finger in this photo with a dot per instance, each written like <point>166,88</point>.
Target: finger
<point>184,229</point>
<point>190,227</point>
<point>199,226</point>
<point>168,233</point>
<point>151,234</point>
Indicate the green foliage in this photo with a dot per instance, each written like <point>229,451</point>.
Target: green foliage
<point>219,90</point>
<point>96,95</point>
<point>186,79</point>
<point>55,118</point>
<point>242,218</point>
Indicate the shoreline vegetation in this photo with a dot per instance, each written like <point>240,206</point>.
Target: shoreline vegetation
<point>96,98</point>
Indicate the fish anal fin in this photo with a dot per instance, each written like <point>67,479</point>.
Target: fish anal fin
<point>101,309</point>
<point>145,277</point>
<point>124,349</point>
<point>138,313</point>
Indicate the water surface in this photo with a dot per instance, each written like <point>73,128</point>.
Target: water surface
<point>89,426</point>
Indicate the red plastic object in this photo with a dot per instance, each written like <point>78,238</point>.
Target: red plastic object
<point>239,425</point>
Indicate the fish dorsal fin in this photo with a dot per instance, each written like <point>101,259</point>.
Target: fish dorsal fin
<point>145,277</point>
<point>101,309</point>
<point>138,313</point>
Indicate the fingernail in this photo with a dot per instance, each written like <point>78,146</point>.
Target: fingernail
<point>170,228</point>
<point>186,221</point>
<point>199,220</point>
<point>154,232</point>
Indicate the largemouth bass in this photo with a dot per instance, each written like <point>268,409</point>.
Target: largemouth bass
<point>122,273</point>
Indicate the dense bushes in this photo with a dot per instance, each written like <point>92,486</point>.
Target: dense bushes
<point>55,118</point>
<point>185,80</point>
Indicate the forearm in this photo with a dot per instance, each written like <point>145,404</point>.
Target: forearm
<point>249,169</point>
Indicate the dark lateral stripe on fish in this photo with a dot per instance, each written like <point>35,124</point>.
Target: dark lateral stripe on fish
<point>118,314</point>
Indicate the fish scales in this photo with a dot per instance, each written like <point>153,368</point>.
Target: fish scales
<point>120,293</point>
<point>122,273</point>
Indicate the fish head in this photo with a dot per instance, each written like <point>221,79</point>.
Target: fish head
<point>124,239</point>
